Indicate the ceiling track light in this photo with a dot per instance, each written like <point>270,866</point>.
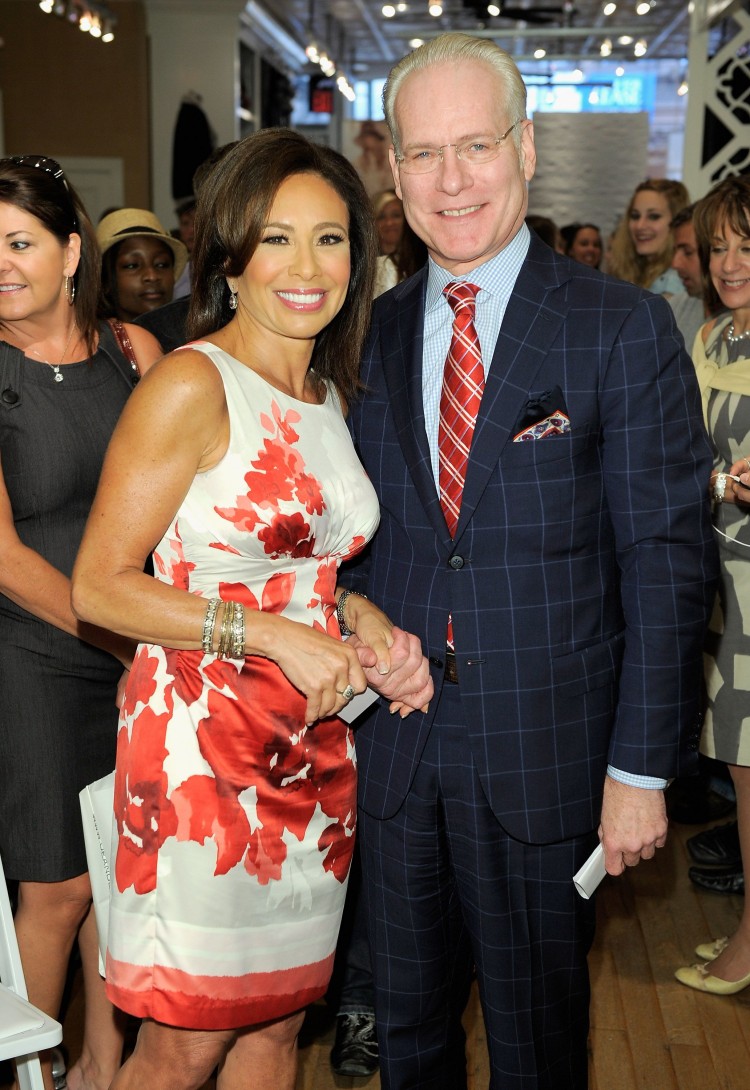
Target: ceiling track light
<point>90,17</point>
<point>317,54</point>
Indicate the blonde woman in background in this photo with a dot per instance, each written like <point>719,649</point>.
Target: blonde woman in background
<point>642,246</point>
<point>401,251</point>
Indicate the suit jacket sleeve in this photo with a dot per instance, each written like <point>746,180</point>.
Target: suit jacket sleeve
<point>654,480</point>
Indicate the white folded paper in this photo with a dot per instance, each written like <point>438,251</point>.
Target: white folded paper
<point>358,703</point>
<point>591,873</point>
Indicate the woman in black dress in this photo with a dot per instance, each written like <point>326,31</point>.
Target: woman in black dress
<point>63,382</point>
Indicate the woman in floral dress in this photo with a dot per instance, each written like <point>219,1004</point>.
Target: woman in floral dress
<point>235,786</point>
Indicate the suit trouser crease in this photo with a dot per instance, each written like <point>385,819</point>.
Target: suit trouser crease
<point>448,889</point>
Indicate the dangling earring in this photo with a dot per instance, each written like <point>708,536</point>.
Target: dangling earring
<point>232,299</point>
<point>70,290</point>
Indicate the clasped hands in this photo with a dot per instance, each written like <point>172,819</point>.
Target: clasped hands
<point>391,659</point>
<point>325,669</point>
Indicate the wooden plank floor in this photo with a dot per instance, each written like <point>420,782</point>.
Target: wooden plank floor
<point>648,1032</point>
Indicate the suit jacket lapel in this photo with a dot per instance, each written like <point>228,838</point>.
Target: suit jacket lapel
<point>531,323</point>
<point>401,346</point>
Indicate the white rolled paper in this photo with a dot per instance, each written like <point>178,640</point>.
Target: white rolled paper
<point>591,873</point>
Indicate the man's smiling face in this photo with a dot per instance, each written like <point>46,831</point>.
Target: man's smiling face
<point>465,213</point>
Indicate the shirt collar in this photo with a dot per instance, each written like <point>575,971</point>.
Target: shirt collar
<point>497,276</point>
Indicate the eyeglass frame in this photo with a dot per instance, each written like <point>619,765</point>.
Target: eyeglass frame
<point>401,159</point>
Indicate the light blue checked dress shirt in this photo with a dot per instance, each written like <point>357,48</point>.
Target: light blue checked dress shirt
<point>496,279</point>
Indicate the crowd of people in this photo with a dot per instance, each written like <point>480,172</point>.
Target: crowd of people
<point>423,445</point>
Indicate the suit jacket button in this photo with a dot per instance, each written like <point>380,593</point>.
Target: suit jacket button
<point>435,661</point>
<point>10,397</point>
<point>456,562</point>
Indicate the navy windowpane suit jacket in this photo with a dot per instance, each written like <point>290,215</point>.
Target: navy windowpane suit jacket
<point>583,569</point>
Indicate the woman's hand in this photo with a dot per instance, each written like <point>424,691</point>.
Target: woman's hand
<point>374,632</point>
<point>407,684</point>
<point>322,668</point>
<point>391,658</point>
<point>735,491</point>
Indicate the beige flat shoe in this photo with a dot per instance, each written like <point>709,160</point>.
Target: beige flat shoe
<point>707,951</point>
<point>698,977</point>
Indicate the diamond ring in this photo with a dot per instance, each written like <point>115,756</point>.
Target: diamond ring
<point>347,693</point>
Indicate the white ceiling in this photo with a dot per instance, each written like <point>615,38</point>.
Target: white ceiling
<point>366,43</point>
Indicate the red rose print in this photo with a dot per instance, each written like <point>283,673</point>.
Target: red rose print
<point>243,516</point>
<point>145,817</point>
<point>202,813</point>
<point>287,535</point>
<point>141,683</point>
<point>309,493</point>
<point>277,477</point>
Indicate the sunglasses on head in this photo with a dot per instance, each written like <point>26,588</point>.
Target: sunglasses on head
<point>39,162</point>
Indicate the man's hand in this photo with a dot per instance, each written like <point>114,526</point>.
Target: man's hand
<point>407,684</point>
<point>633,824</point>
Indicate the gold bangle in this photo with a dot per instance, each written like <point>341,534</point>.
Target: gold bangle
<point>225,633</point>
<point>209,624</point>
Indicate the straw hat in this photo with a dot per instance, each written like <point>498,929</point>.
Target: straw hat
<point>380,200</point>
<point>131,222</point>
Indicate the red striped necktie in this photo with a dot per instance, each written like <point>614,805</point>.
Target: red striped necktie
<point>461,396</point>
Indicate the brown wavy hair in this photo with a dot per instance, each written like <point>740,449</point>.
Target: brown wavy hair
<point>726,205</point>
<point>623,261</point>
<point>234,202</point>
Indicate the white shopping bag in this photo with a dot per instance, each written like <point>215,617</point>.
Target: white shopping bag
<point>97,811</point>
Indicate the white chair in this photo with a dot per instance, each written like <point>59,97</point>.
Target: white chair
<point>24,1030</point>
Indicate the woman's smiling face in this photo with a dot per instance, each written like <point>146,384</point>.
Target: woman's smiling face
<point>649,223</point>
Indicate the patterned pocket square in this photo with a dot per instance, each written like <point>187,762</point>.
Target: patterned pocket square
<point>545,414</point>
<point>557,423</point>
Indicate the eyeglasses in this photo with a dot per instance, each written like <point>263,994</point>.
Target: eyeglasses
<point>480,149</point>
<point>40,162</point>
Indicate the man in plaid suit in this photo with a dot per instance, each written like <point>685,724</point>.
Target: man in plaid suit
<point>578,582</point>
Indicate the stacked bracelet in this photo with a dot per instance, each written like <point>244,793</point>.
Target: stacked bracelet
<point>232,632</point>
<point>227,620</point>
<point>343,626</point>
<point>209,625</point>
<point>237,643</point>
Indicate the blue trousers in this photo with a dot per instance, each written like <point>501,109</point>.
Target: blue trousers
<point>448,892</point>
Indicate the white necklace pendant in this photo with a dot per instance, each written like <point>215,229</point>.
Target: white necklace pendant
<point>58,376</point>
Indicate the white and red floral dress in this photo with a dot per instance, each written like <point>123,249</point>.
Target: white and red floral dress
<point>236,822</point>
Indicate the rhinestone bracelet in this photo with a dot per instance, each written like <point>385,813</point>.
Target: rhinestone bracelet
<point>720,487</point>
<point>237,644</point>
<point>209,625</point>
